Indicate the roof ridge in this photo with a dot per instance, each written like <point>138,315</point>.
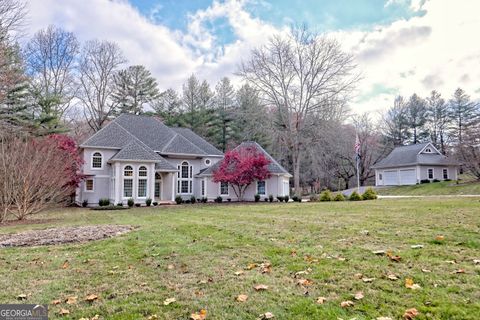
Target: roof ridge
<point>141,142</point>
<point>265,152</point>
<point>182,137</point>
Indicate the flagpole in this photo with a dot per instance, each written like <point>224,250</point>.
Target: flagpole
<point>357,158</point>
<point>358,176</point>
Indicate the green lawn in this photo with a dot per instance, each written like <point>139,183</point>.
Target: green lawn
<point>436,188</point>
<point>206,244</point>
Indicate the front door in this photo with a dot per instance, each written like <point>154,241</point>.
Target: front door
<point>158,187</point>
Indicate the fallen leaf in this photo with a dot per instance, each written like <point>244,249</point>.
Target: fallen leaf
<point>410,314</point>
<point>417,246</point>
<point>153,317</point>
<point>266,315</point>
<point>71,300</point>
<point>65,264</point>
<point>321,300</point>
<point>459,271</point>
<point>91,297</point>
<point>451,261</point>
<point>440,238</point>
<point>358,275</point>
<point>22,296</point>
<point>395,258</point>
<point>358,295</point>
<point>201,315</point>
<point>168,301</point>
<point>305,282</point>
<point>411,285</point>
<point>367,279</point>
<point>426,270</point>
<point>310,259</point>
<point>251,266</point>
<point>476,261</point>
<point>55,302</point>
<point>260,287</point>
<point>239,272</point>
<point>346,304</point>
<point>293,253</point>
<point>379,252</point>
<point>242,298</point>
<point>392,276</point>
<point>63,312</point>
<point>170,267</point>
<point>384,318</point>
<point>266,267</point>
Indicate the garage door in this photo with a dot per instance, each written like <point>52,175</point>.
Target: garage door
<point>408,176</point>
<point>390,178</point>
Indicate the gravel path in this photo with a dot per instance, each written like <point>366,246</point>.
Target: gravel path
<point>62,235</point>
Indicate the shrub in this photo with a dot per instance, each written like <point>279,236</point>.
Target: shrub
<point>130,202</point>
<point>339,197</point>
<point>447,180</point>
<point>424,181</point>
<point>369,194</point>
<point>148,202</point>
<point>204,199</point>
<point>119,204</point>
<point>85,203</point>
<point>109,208</point>
<point>178,200</point>
<point>435,180</point>
<point>104,202</point>
<point>229,199</point>
<point>257,197</point>
<point>193,199</point>
<point>326,195</point>
<point>270,198</point>
<point>187,201</point>
<point>219,199</point>
<point>137,204</point>
<point>295,199</point>
<point>265,199</point>
<point>355,196</point>
<point>280,198</point>
<point>155,203</point>
<point>286,198</point>
<point>314,198</point>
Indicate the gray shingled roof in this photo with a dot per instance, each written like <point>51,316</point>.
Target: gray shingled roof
<point>136,151</point>
<point>153,133</point>
<point>274,167</point>
<point>409,155</point>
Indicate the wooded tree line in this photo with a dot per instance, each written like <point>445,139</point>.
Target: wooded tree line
<point>293,100</point>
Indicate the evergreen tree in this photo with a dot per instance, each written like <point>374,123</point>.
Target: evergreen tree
<point>438,119</point>
<point>168,106</point>
<point>417,118</point>
<point>395,123</point>
<point>190,99</point>
<point>134,87</point>
<point>464,114</point>
<point>223,125</point>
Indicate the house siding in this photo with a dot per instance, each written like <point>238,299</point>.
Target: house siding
<point>438,172</point>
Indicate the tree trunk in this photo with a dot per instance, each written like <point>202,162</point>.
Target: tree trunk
<point>296,170</point>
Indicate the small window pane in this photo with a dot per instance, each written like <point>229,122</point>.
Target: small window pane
<point>203,187</point>
<point>261,187</point>
<point>185,169</point>
<point>128,171</point>
<point>224,188</point>
<point>89,185</point>
<point>97,160</point>
<point>430,173</point>
<point>185,185</point>
<point>445,174</point>
<point>127,187</point>
<point>142,171</point>
<point>142,187</point>
<point>157,189</point>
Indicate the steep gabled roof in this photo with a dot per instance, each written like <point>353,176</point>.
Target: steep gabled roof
<point>274,167</point>
<point>136,151</point>
<point>412,155</point>
<point>198,141</point>
<point>111,136</point>
<point>180,145</point>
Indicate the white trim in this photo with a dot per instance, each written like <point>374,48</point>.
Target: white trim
<point>132,177</point>
<point>190,155</point>
<point>430,145</point>
<point>133,160</point>
<point>93,185</point>
<point>256,188</point>
<point>433,173</point>
<point>189,178</point>
<point>102,160</point>
<point>209,160</point>
<point>95,148</point>
<point>220,189</point>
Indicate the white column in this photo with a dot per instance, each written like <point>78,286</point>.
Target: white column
<point>151,182</point>
<point>174,182</point>
<point>118,182</point>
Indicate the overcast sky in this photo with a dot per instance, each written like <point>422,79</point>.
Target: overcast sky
<point>401,46</point>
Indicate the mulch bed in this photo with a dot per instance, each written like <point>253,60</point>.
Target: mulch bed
<point>62,235</point>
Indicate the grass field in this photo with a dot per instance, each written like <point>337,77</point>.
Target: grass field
<point>192,252</point>
<point>436,188</point>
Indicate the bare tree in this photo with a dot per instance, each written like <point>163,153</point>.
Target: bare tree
<point>12,18</point>
<point>99,61</point>
<point>51,57</point>
<point>301,74</point>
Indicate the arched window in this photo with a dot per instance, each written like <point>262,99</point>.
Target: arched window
<point>128,182</point>
<point>185,178</point>
<point>142,182</point>
<point>97,160</point>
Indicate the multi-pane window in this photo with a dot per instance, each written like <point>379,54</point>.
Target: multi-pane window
<point>445,173</point>
<point>185,178</point>
<point>261,187</point>
<point>128,182</point>
<point>142,182</point>
<point>203,187</point>
<point>97,160</point>
<point>89,185</point>
<point>224,188</point>
<point>430,173</point>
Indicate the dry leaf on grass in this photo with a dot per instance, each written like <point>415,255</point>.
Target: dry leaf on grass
<point>65,264</point>
<point>168,301</point>
<point>251,266</point>
<point>170,267</point>
<point>346,304</point>
<point>242,298</point>
<point>321,300</point>
<point>358,275</point>
<point>266,315</point>
<point>266,267</point>
<point>55,302</point>
<point>384,318</point>
<point>410,314</point>
<point>358,295</point>
<point>63,312</point>
<point>440,238</point>
<point>392,277</point>
<point>411,285</point>
<point>201,315</point>
<point>379,252</point>
<point>426,270</point>
<point>22,296</point>
<point>476,261</point>
<point>417,246</point>
<point>71,300</point>
<point>239,272</point>
<point>305,282</point>
<point>366,280</point>
<point>260,287</point>
<point>152,317</point>
<point>91,297</point>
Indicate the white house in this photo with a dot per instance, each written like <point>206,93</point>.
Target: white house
<point>139,157</point>
<point>408,165</point>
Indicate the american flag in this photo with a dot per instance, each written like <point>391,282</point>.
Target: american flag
<point>357,146</point>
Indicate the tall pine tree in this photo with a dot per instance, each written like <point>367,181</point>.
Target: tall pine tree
<point>438,119</point>
<point>464,114</point>
<point>417,118</point>
<point>224,130</point>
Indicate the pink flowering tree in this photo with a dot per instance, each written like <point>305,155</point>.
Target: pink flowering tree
<point>241,167</point>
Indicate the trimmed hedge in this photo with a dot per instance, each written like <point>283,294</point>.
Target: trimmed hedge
<point>339,197</point>
<point>355,196</point>
<point>369,194</point>
<point>326,196</point>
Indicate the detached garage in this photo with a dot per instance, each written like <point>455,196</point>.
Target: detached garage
<point>408,165</point>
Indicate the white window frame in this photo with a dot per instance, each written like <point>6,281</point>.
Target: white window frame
<point>265,188</point>
<point>428,173</point>
<point>93,185</point>
<point>203,187</point>
<point>209,162</point>
<point>124,177</point>
<point>139,177</point>
<point>189,178</point>
<point>220,189</point>
<point>443,173</point>
<point>91,160</point>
